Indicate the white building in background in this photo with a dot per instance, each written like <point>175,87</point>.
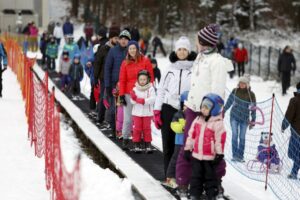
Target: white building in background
<point>17,13</point>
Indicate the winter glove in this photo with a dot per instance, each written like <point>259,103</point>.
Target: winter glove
<point>251,125</point>
<point>218,159</point>
<point>123,100</point>
<point>133,95</point>
<point>140,101</point>
<point>105,103</point>
<point>157,119</point>
<point>187,155</point>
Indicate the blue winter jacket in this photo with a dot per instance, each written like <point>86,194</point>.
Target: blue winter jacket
<point>76,72</point>
<point>68,28</point>
<point>112,66</point>
<point>72,49</point>
<point>3,56</point>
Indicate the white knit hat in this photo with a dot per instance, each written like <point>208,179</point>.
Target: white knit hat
<point>245,79</point>
<point>183,42</point>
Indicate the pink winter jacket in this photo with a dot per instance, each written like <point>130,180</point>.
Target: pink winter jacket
<point>206,139</point>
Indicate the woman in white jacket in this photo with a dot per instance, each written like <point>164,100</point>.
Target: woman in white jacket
<point>58,33</point>
<point>209,74</point>
<point>174,82</point>
<point>142,99</point>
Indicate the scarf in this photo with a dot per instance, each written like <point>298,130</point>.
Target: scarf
<point>142,88</point>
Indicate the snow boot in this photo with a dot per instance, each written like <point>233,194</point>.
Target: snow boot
<point>148,148</point>
<point>125,145</point>
<point>137,147</point>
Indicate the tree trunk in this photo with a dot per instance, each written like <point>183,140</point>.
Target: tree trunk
<point>75,5</point>
<point>162,18</point>
<point>251,15</point>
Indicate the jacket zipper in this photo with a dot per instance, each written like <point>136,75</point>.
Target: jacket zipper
<point>179,82</point>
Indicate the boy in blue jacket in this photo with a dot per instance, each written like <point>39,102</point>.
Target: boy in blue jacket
<point>76,75</point>
<point>89,70</point>
<point>51,52</point>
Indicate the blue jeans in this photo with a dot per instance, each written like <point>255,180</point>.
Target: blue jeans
<point>295,168</point>
<point>239,129</point>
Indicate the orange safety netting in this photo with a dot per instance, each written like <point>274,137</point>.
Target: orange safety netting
<point>43,119</point>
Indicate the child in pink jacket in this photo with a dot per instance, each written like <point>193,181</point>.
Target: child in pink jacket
<point>143,99</point>
<point>205,144</point>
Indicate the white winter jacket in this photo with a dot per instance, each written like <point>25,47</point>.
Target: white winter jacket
<point>145,110</point>
<point>58,32</point>
<point>175,81</point>
<point>209,75</point>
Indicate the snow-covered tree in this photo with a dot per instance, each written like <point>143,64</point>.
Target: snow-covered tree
<point>173,16</point>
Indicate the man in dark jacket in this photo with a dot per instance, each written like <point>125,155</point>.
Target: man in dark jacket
<point>100,57</point>
<point>286,64</point>
<point>292,117</point>
<point>113,62</point>
<point>3,58</point>
<point>68,28</point>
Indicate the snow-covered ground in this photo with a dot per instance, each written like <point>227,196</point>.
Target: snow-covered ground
<point>22,174</point>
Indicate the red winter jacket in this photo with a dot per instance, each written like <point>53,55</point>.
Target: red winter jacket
<point>241,55</point>
<point>129,72</point>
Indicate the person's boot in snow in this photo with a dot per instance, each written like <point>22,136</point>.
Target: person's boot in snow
<point>148,148</point>
<point>137,147</point>
<point>125,144</point>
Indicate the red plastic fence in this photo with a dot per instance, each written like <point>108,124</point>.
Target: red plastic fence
<point>43,118</point>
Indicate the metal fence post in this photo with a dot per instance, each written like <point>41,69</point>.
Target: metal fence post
<point>250,60</point>
<point>259,58</point>
<point>269,62</point>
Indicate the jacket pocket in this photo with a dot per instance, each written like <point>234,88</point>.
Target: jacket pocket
<point>208,142</point>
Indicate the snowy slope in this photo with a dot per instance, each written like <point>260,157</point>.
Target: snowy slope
<point>22,174</point>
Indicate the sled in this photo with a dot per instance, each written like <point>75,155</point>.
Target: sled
<point>261,167</point>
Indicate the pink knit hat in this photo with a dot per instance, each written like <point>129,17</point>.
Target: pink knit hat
<point>208,35</point>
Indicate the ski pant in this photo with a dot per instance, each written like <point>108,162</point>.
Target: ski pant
<point>142,125</point>
<point>64,81</point>
<point>100,105</point>
<point>51,63</point>
<point>168,136</point>
<point>239,129</point>
<point>285,81</point>
<point>203,177</point>
<point>75,87</point>
<point>92,98</point>
<point>171,172</point>
<point>0,79</point>
<point>120,118</point>
<point>161,48</point>
<point>183,167</point>
<point>241,68</point>
<point>127,123</point>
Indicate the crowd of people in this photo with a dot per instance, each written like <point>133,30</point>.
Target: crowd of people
<point>186,102</point>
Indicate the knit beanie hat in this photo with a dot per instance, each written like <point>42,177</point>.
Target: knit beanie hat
<point>183,42</point>
<point>245,79</point>
<point>114,33</point>
<point>208,36</point>
<point>133,42</point>
<point>125,34</point>
<point>102,32</point>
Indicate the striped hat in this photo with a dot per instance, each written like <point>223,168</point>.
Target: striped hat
<point>208,36</point>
